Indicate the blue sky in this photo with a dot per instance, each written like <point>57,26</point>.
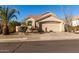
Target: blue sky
<point>27,10</point>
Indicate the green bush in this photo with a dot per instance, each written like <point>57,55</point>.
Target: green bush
<point>12,26</point>
<point>72,28</point>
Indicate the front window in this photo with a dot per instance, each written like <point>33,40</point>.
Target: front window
<point>29,23</point>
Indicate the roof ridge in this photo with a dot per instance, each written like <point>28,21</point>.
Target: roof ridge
<point>44,15</point>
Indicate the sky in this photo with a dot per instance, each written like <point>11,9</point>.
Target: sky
<point>27,10</point>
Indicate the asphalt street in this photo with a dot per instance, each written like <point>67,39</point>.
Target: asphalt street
<point>49,46</point>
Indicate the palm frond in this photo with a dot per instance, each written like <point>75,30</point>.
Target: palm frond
<point>13,16</point>
<point>11,13</point>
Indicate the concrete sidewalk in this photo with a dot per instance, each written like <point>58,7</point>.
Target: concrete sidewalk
<point>43,37</point>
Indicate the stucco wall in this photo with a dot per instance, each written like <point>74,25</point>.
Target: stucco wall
<point>53,24</point>
<point>17,28</point>
<point>33,22</point>
<point>55,27</point>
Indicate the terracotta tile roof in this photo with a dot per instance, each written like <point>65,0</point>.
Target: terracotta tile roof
<point>76,17</point>
<point>34,17</point>
<point>48,15</point>
<point>45,15</point>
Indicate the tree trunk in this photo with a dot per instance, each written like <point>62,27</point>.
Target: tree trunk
<point>66,28</point>
<point>5,29</point>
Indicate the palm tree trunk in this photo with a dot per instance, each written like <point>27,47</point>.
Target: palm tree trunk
<point>5,29</point>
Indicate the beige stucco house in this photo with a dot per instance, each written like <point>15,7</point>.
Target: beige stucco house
<point>47,22</point>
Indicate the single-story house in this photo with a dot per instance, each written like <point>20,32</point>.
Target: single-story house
<point>47,22</point>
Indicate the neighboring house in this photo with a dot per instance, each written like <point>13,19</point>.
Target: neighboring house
<point>75,21</point>
<point>47,22</point>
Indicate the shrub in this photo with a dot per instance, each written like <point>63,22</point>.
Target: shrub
<point>12,26</point>
<point>50,31</point>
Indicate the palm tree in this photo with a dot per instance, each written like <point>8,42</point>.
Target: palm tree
<point>6,15</point>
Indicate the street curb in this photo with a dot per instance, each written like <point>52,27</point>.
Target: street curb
<point>13,40</point>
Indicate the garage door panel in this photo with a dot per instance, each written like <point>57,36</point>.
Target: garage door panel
<point>51,27</point>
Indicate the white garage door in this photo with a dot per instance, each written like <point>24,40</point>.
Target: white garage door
<point>55,27</point>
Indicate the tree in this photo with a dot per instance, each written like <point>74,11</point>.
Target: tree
<point>68,18</point>
<point>6,14</point>
<point>12,26</point>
